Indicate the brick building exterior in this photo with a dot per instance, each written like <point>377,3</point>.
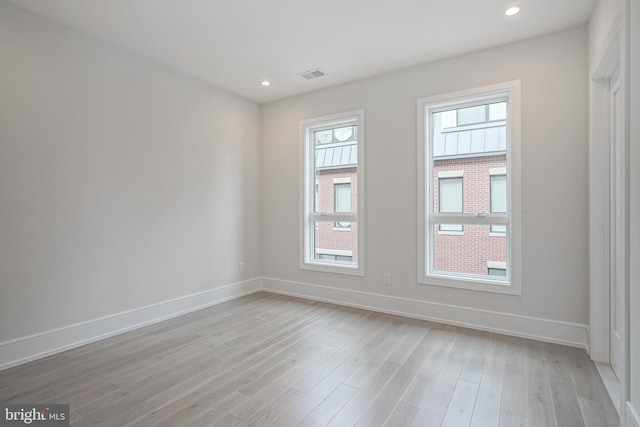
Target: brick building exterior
<point>475,248</point>
<point>336,191</point>
<point>469,175</point>
<point>336,239</point>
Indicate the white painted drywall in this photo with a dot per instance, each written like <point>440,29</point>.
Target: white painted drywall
<point>553,70</point>
<point>634,191</point>
<point>122,182</point>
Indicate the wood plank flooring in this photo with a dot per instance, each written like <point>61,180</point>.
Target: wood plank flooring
<point>271,360</point>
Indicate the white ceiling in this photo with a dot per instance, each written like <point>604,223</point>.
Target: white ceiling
<point>235,44</point>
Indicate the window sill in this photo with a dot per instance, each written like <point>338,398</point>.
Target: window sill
<point>341,229</point>
<point>333,268</point>
<point>472,284</point>
<point>497,234</point>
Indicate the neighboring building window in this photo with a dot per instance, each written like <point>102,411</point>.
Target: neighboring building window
<point>342,202</point>
<point>498,200</point>
<point>497,268</point>
<point>335,257</point>
<point>332,191</point>
<point>499,272</point>
<point>450,200</point>
<point>340,255</point>
<point>478,132</point>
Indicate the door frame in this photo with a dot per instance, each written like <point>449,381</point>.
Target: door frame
<point>611,57</point>
<point>617,229</point>
<point>599,185</point>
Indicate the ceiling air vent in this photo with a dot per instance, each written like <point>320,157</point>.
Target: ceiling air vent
<point>312,74</point>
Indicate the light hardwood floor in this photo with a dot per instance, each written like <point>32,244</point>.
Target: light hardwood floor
<point>267,359</point>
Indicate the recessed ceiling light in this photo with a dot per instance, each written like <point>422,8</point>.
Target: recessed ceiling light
<point>512,11</point>
<point>265,83</point>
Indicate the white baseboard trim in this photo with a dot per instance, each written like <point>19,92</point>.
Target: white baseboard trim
<point>632,417</point>
<point>26,349</point>
<point>553,331</point>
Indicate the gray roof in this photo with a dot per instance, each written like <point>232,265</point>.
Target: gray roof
<point>335,156</point>
<point>470,142</point>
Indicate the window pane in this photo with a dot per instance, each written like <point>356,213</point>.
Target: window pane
<point>336,160</point>
<point>342,196</point>
<point>499,194</point>
<point>472,115</point>
<point>451,227</point>
<point>342,202</point>
<point>500,272</point>
<point>324,136</point>
<point>464,249</point>
<point>499,200</point>
<point>467,254</point>
<point>335,246</point>
<point>498,228</point>
<point>450,192</point>
<point>448,119</point>
<point>450,195</point>
<point>344,133</point>
<point>498,111</point>
<point>473,152</point>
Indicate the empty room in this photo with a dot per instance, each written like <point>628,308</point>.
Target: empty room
<point>339,213</point>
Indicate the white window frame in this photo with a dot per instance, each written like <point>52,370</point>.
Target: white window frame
<point>307,194</point>
<point>427,105</point>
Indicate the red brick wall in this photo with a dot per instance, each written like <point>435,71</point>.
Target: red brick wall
<point>466,253</point>
<point>327,236</point>
<point>469,252</point>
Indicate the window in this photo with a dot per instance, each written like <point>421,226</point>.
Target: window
<point>498,200</point>
<point>342,201</point>
<point>474,115</point>
<point>500,272</point>
<point>476,131</point>
<point>450,200</point>
<point>332,193</point>
<point>498,269</point>
<point>345,258</point>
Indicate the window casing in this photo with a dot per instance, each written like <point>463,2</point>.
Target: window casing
<point>477,131</point>
<point>332,193</point>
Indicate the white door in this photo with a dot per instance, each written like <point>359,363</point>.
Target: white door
<point>616,230</point>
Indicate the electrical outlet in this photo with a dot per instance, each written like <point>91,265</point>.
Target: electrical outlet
<point>242,266</point>
<point>386,279</point>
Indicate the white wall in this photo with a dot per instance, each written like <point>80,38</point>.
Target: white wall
<point>553,70</point>
<point>122,183</point>
<point>634,161</point>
